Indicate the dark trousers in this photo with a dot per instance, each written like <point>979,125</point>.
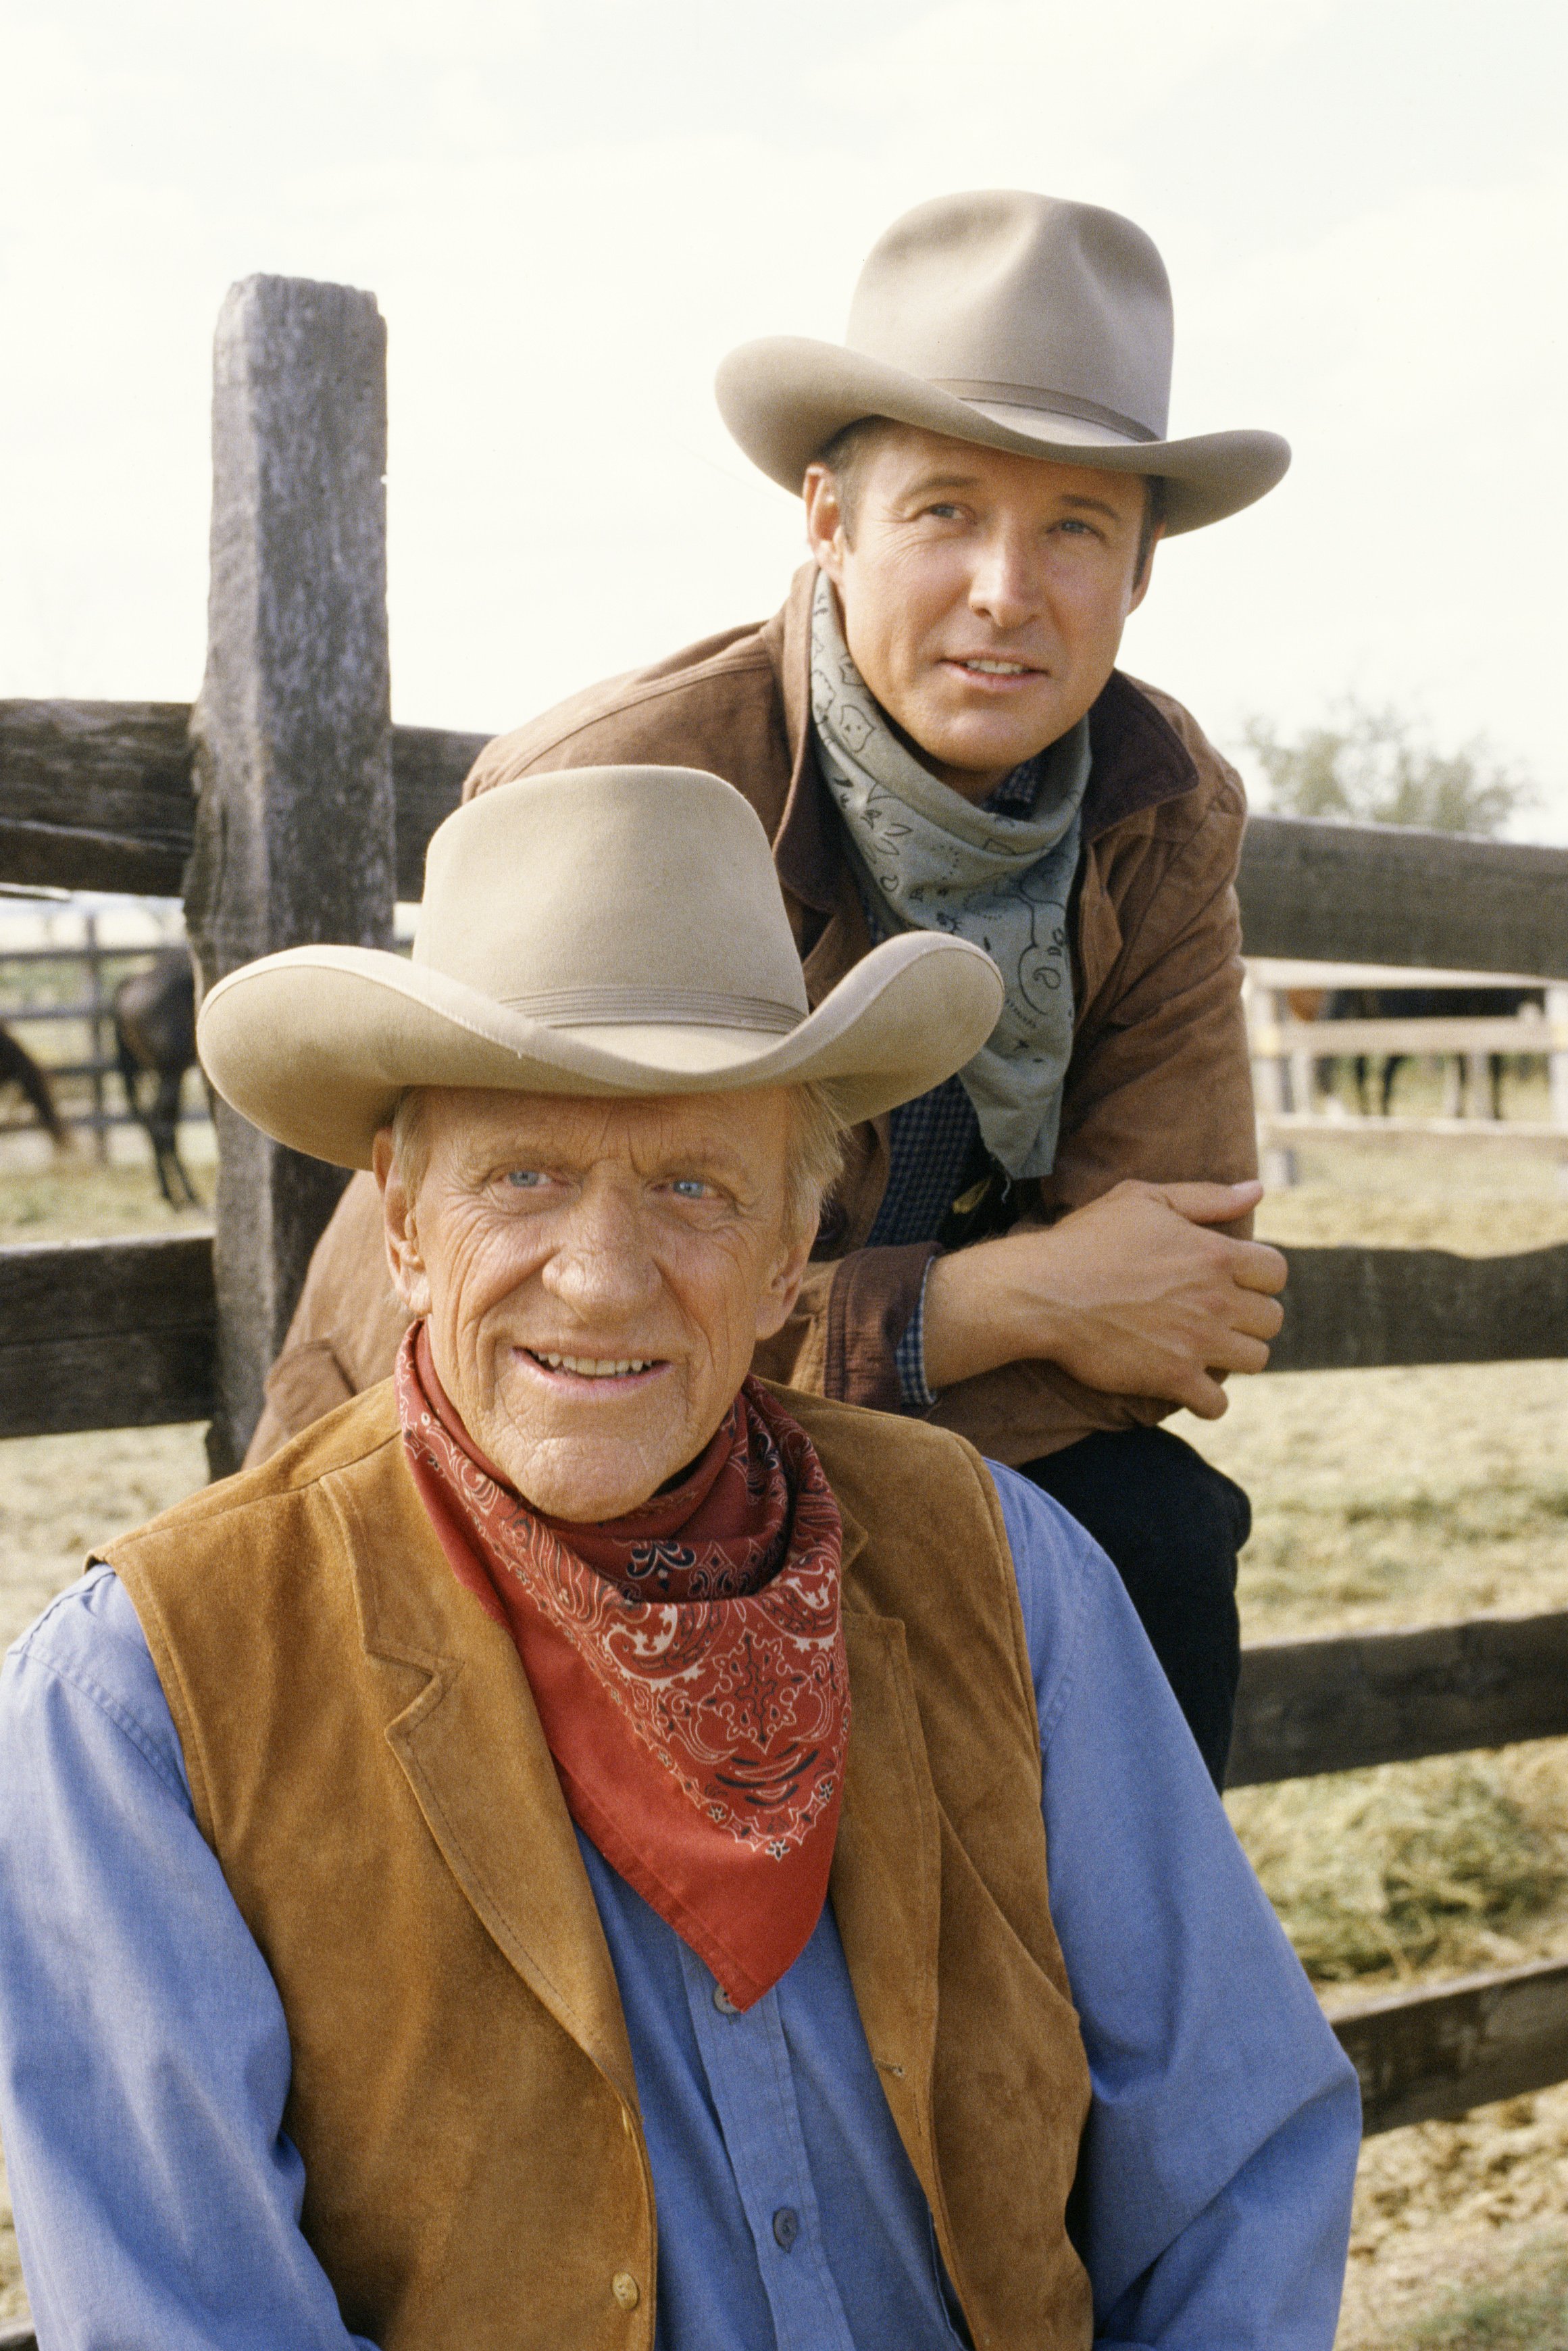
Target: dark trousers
<point>1172,1526</point>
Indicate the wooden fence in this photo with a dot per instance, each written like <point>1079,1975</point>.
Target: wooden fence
<point>1289,1052</point>
<point>287,809</point>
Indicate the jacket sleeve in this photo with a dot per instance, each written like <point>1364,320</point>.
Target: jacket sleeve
<point>842,1339</point>
<point>346,1328</point>
<point>1159,1089</point>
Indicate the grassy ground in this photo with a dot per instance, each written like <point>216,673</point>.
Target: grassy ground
<point>1381,1499</point>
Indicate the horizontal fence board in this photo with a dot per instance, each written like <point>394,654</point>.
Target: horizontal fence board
<point>106,1334</point>
<point>1352,1309</point>
<point>1392,894</point>
<point>1429,2056</point>
<point>428,764</point>
<point>1305,1707</point>
<point>1327,1040</point>
<point>1291,972</point>
<point>94,795</point>
<point>97,795</point>
<point>1347,1309</point>
<point>1533,1135</point>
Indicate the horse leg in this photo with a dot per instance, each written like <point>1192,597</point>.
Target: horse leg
<point>131,1078</point>
<point>1390,1071</point>
<point>171,1167</point>
<point>36,1086</point>
<point>1361,1065</point>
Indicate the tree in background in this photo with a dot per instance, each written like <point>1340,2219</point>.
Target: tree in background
<point>1371,766</point>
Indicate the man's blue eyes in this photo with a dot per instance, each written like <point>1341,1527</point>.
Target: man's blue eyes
<point>527,1179</point>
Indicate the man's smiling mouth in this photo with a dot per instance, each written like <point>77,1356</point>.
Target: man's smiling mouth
<point>593,1367</point>
<point>993,665</point>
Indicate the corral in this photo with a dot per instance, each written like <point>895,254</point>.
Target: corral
<point>310,810</point>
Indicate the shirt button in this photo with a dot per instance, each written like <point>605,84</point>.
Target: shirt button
<point>787,2225</point>
<point>723,2003</point>
<point>625,2290</point>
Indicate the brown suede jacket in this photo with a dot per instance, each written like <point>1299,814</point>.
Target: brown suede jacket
<point>1158,1085</point>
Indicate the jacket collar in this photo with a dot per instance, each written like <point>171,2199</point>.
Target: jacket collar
<point>1139,760</point>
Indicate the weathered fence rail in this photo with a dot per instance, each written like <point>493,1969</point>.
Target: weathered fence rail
<point>100,795</point>
<point>286,807</point>
<point>106,1334</point>
<point>1356,1309</point>
<point>1347,1310</point>
<point>1425,2056</point>
<point>1338,1704</point>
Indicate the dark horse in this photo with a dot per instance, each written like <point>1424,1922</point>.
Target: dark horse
<point>17,1068</point>
<point>1428,1004</point>
<point>155,1037</point>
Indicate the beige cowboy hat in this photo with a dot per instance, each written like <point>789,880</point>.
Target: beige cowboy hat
<point>1020,322</point>
<point>602,931</point>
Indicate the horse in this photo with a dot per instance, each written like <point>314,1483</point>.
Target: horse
<point>154,1014</point>
<point>1428,1004</point>
<point>17,1068</point>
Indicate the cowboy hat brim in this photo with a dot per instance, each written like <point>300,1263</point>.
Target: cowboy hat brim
<point>784,397</point>
<point>315,1045</point>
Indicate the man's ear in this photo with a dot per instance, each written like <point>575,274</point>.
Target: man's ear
<point>825,530</point>
<point>404,1262</point>
<point>776,1304</point>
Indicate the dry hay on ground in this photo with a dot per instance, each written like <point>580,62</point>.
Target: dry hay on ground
<point>1380,1499</point>
<point>77,1198</point>
<point>1460,2242</point>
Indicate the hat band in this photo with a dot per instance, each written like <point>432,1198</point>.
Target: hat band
<point>680,1008</point>
<point>1048,403</point>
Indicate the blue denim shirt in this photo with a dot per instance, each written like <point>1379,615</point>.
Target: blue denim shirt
<point>144,2057</point>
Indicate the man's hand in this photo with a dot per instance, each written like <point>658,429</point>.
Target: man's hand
<point>1134,1295</point>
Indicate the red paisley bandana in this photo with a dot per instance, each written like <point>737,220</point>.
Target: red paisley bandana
<point>688,1663</point>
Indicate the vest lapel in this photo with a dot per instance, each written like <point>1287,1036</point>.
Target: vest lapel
<point>886,1887</point>
<point>474,1755</point>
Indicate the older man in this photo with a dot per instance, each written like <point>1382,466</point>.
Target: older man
<point>558,1856</point>
<point>1041,1253</point>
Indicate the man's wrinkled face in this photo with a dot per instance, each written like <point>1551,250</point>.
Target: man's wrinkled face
<point>982,594</point>
<point>594,1276</point>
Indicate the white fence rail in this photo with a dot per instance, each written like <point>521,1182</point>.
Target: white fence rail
<point>1291,1049</point>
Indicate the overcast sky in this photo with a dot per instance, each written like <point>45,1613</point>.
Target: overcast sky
<point>568,213</point>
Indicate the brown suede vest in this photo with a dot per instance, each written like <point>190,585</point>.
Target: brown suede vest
<point>367,1763</point>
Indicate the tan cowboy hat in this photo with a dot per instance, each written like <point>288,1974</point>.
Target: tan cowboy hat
<point>1019,321</point>
<point>603,931</point>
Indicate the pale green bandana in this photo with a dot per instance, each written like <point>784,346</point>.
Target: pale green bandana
<point>930,860</point>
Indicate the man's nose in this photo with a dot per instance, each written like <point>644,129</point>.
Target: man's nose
<point>1005,586</point>
<point>602,1263</point>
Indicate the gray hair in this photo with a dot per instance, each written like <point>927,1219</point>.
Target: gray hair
<point>814,1163</point>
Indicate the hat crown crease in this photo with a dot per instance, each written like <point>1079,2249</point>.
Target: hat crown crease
<point>644,896</point>
<point>1033,302</point>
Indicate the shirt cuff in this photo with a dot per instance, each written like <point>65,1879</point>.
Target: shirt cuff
<point>910,1354</point>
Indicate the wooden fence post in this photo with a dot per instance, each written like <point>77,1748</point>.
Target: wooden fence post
<point>292,742</point>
